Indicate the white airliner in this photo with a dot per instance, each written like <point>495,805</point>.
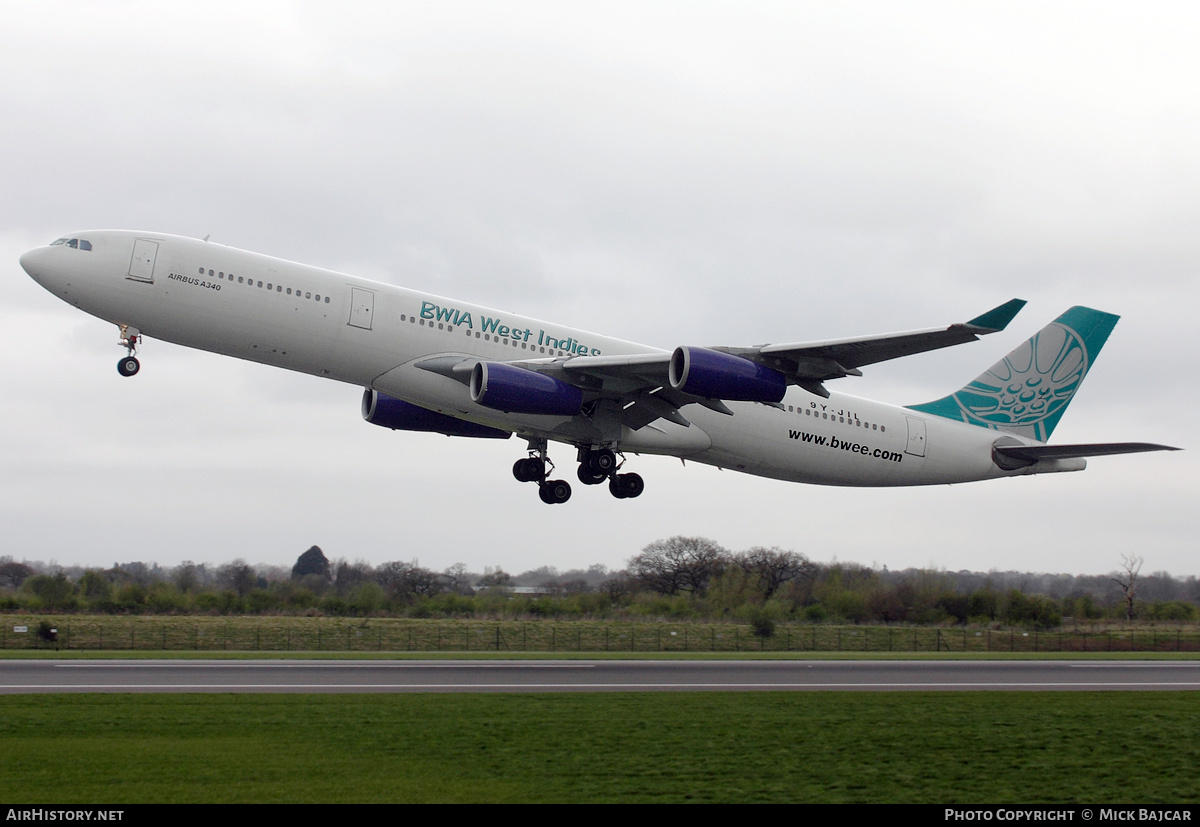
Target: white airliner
<point>434,364</point>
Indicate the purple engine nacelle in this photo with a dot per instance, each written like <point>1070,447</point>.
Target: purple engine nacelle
<point>516,390</point>
<point>381,409</point>
<point>715,375</point>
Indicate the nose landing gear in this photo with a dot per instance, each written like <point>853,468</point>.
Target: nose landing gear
<point>129,365</point>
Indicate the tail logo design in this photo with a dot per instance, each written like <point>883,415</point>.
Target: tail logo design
<point>1027,391</point>
<point>1030,385</point>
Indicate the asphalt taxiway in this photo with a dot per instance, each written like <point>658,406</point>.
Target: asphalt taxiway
<point>332,676</point>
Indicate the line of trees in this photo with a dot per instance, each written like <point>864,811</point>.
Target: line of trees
<point>679,577</point>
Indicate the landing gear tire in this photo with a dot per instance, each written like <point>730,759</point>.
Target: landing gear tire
<point>531,469</point>
<point>554,492</point>
<point>602,462</point>
<point>589,477</point>
<point>128,366</point>
<point>626,486</point>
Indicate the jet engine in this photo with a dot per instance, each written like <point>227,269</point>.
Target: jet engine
<point>715,375</point>
<point>516,390</point>
<point>381,409</point>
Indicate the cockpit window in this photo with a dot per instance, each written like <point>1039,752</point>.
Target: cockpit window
<point>73,243</point>
<point>58,241</point>
<point>84,244</point>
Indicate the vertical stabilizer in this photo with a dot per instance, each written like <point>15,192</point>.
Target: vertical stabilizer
<point>1027,391</point>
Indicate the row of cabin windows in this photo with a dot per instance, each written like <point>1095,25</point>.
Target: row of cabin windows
<point>487,337</point>
<point>278,288</point>
<point>843,419</point>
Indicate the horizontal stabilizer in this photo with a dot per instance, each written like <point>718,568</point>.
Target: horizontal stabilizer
<point>1033,453</point>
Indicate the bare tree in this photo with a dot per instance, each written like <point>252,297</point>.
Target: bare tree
<point>457,579</point>
<point>408,580</point>
<point>680,564</point>
<point>772,567</point>
<point>350,575</point>
<point>1131,564</point>
<point>13,574</point>
<point>238,576</point>
<point>495,578</point>
<point>187,576</point>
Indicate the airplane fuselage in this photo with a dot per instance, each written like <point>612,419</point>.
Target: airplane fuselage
<point>275,312</point>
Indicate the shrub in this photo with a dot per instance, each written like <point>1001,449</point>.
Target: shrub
<point>763,624</point>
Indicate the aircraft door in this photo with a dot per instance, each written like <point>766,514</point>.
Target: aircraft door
<point>362,307</point>
<point>916,437</point>
<point>141,265</point>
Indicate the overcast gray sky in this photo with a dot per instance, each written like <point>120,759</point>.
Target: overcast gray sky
<point>671,173</point>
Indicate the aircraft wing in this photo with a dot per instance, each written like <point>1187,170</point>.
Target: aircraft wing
<point>807,364</point>
<point>642,387</point>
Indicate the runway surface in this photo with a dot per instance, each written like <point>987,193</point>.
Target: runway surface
<point>28,676</point>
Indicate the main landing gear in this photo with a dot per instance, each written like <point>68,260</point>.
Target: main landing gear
<point>599,464</point>
<point>596,465</point>
<point>536,468</point>
<point>129,365</point>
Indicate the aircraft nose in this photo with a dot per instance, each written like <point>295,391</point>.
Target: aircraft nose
<point>32,263</point>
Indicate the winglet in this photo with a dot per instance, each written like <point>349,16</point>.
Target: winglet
<point>998,317</point>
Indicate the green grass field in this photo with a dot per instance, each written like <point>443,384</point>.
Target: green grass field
<point>944,748</point>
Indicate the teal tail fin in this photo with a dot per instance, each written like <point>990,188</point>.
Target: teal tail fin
<point>1027,391</point>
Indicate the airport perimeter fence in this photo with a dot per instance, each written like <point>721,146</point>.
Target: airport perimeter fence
<point>305,634</point>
